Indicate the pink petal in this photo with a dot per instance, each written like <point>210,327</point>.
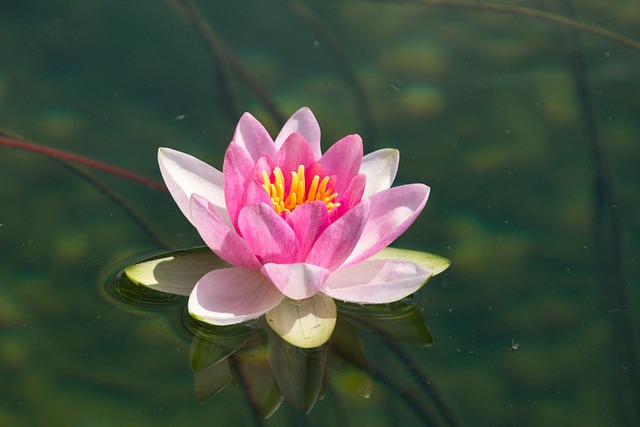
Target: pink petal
<point>392,212</point>
<point>232,295</point>
<point>253,138</point>
<point>268,235</point>
<point>297,281</point>
<point>185,175</point>
<point>308,221</point>
<point>302,121</point>
<point>376,281</point>
<point>350,197</point>
<point>380,167</point>
<point>263,164</point>
<point>294,152</point>
<point>343,160</point>
<point>254,191</point>
<point>237,169</point>
<point>337,241</point>
<point>220,237</point>
<point>256,194</point>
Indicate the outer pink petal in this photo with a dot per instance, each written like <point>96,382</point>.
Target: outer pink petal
<point>376,281</point>
<point>380,167</point>
<point>237,169</point>
<point>392,212</point>
<point>343,160</point>
<point>294,152</point>
<point>268,234</point>
<point>337,241</point>
<point>304,122</point>
<point>297,281</point>
<point>232,295</point>
<point>308,221</point>
<point>220,237</point>
<point>254,138</point>
<point>185,175</point>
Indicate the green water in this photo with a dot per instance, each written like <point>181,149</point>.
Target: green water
<point>498,113</point>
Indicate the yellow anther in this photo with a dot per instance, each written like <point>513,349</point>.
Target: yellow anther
<point>313,188</point>
<point>301,184</point>
<point>322,188</point>
<point>298,193</point>
<point>266,184</point>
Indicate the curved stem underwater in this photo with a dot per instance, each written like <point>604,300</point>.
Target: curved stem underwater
<point>527,12</point>
<point>85,161</point>
<point>608,236</point>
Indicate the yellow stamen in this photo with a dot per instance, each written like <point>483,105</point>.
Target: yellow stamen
<point>313,188</point>
<point>298,193</point>
<point>322,188</point>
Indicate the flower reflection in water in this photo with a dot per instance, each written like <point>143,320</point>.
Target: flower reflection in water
<point>271,370</point>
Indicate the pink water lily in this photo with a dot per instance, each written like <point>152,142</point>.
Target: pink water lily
<point>294,223</point>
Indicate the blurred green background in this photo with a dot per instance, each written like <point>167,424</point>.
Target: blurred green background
<point>511,120</point>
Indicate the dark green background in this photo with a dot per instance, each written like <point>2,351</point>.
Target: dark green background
<point>484,109</point>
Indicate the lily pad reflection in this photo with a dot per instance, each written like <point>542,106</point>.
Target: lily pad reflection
<point>271,370</point>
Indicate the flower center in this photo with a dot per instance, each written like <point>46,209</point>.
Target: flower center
<point>299,192</point>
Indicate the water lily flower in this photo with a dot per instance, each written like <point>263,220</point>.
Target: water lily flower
<point>297,227</point>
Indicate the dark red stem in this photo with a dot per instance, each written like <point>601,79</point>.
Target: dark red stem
<point>75,158</point>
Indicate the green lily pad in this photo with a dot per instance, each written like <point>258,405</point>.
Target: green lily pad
<point>436,263</point>
<point>175,272</point>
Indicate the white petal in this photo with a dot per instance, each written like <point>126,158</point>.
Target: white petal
<point>380,168</point>
<point>304,122</point>
<point>186,175</point>
<point>253,138</point>
<point>232,295</point>
<point>298,280</point>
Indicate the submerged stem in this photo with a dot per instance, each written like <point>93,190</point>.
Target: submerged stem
<point>528,12</point>
<point>86,161</point>
<point>609,235</point>
<point>443,409</point>
<point>223,56</point>
<point>144,225</point>
<point>343,62</point>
